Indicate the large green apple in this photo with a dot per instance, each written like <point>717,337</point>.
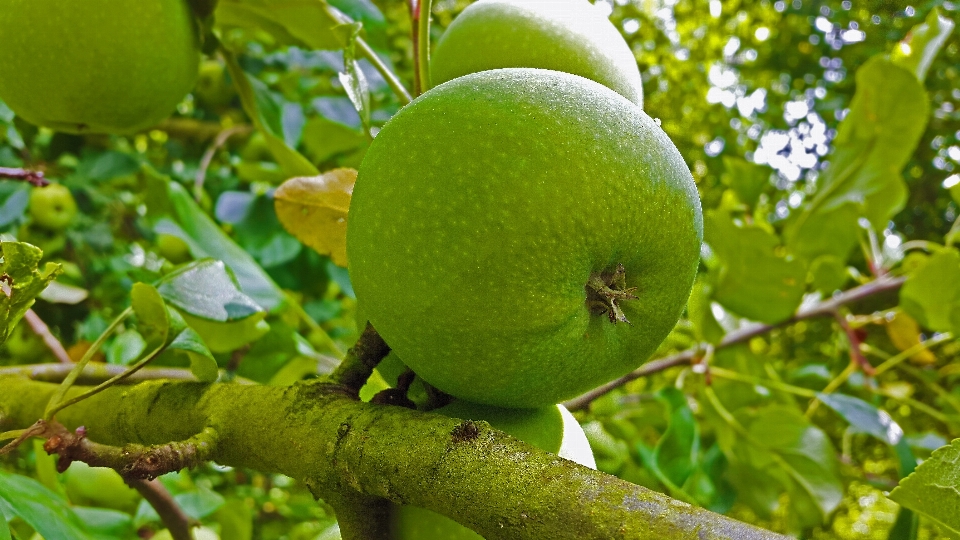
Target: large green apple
<point>96,66</point>
<point>550,428</point>
<point>573,36</point>
<point>520,236</point>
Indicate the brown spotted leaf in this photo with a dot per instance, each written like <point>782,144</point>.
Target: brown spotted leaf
<point>314,209</point>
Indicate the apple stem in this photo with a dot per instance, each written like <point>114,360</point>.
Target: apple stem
<point>605,290</point>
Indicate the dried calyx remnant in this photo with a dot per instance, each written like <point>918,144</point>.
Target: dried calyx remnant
<point>605,291</point>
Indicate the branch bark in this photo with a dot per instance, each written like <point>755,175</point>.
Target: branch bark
<point>318,433</point>
<point>34,178</point>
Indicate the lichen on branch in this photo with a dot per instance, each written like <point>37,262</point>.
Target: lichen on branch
<point>320,434</point>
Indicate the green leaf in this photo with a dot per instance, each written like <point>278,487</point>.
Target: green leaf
<point>235,519</point>
<point>784,451</point>
<point>917,51</point>
<point>262,108</point>
<point>352,78</point>
<point>307,24</point>
<point>933,490</point>
<point>906,527</point>
<point>105,523</point>
<point>204,368</point>
<point>206,290</point>
<point>4,528</point>
<point>206,239</point>
<point>258,229</point>
<point>14,206</point>
<point>829,274</point>
<point>46,468</point>
<point>746,179</point>
<point>705,325</point>
<point>754,281</point>
<point>107,166</point>
<point>887,116</point>
<point>39,507</point>
<point>20,282</point>
<point>202,363</point>
<point>324,138</point>
<point>864,417</point>
<point>151,313</point>
<point>209,301</point>
<point>931,294</point>
<point>199,503</point>
<point>126,347</point>
<point>677,451</point>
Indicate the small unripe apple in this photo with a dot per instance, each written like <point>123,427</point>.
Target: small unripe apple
<point>213,89</point>
<point>572,36</point>
<point>52,207</point>
<point>519,236</point>
<point>92,66</point>
<point>551,428</point>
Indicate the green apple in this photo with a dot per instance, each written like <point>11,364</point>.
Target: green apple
<point>99,486</point>
<point>213,89</point>
<point>573,36</point>
<point>550,428</point>
<point>96,66</point>
<point>52,207</point>
<point>520,236</point>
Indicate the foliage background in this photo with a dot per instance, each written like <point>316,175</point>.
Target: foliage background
<point>731,83</point>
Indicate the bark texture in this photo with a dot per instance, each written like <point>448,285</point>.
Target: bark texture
<point>349,450</point>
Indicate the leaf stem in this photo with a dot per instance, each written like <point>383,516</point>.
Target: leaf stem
<point>906,354</point>
<point>314,327</point>
<point>107,383</point>
<point>831,387</point>
<point>952,234</point>
<point>392,80</point>
<point>748,379</point>
<point>54,404</point>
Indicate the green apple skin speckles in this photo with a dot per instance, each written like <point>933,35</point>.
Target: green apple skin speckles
<point>481,210</point>
<point>572,36</point>
<point>93,66</point>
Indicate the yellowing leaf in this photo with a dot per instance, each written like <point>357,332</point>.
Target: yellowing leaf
<point>314,209</point>
<point>904,332</point>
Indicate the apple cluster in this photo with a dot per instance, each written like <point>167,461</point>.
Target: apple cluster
<point>523,231</point>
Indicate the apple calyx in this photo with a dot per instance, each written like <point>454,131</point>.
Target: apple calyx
<point>605,290</point>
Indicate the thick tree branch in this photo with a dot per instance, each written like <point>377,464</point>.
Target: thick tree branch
<point>826,308</point>
<point>316,432</point>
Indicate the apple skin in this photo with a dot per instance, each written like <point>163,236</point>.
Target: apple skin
<point>52,207</point>
<point>551,428</point>
<point>572,36</point>
<point>91,66</point>
<point>483,208</point>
